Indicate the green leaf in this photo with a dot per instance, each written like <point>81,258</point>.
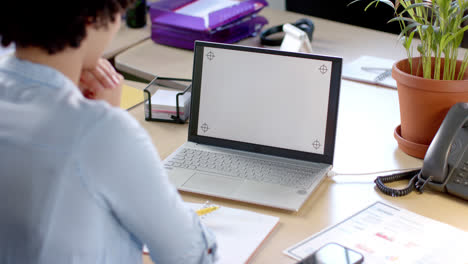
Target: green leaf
<point>415,5</point>
<point>355,1</point>
<point>464,19</point>
<point>404,19</point>
<point>397,4</point>
<point>387,2</point>
<point>418,8</point>
<point>409,27</point>
<point>450,37</point>
<point>443,4</point>
<point>420,49</point>
<point>407,40</point>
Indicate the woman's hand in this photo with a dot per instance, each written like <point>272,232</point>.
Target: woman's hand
<point>102,83</point>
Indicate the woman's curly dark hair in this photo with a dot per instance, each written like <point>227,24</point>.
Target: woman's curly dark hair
<point>54,25</point>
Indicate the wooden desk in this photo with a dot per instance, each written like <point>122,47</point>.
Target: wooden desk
<point>335,199</point>
<point>330,38</point>
<point>125,38</point>
<point>367,116</point>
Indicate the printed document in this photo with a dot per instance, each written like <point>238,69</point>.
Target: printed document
<point>386,234</point>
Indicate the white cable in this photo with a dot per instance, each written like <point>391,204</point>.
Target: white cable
<point>334,173</point>
<point>363,177</point>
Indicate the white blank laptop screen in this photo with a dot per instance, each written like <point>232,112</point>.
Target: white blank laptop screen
<point>277,101</point>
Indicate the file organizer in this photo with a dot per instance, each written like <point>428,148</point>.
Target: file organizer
<point>172,25</point>
<point>183,85</point>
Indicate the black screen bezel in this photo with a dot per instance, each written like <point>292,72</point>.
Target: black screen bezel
<point>332,115</point>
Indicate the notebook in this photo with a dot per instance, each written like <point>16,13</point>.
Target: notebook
<point>130,97</point>
<point>239,233</point>
<point>262,125</point>
<point>370,69</point>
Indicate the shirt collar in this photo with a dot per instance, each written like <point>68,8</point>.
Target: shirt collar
<point>46,75</point>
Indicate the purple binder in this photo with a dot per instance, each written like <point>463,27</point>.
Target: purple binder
<point>227,25</point>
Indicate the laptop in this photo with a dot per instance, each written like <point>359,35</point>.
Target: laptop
<point>262,125</point>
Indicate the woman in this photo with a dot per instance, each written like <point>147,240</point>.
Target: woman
<point>80,180</point>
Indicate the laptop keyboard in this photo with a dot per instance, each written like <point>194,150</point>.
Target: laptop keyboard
<point>247,168</point>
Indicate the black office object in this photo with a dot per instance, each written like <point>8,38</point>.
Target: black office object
<point>183,85</point>
<point>376,17</point>
<point>136,14</point>
<point>445,167</point>
<point>333,253</point>
<point>304,24</point>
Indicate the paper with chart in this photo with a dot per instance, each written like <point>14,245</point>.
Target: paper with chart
<point>386,234</point>
<point>238,232</point>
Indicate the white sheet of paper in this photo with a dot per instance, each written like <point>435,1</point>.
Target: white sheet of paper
<point>238,232</point>
<point>202,8</point>
<point>386,234</point>
<point>164,99</point>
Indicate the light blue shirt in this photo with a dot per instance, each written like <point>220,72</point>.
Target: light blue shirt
<point>80,181</point>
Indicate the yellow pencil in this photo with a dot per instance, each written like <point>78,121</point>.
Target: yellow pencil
<point>206,210</point>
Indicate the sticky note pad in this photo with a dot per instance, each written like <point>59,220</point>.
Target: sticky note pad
<point>130,97</point>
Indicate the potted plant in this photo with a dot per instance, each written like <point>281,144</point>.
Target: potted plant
<point>435,78</point>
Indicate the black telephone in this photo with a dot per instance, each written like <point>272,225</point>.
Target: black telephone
<point>445,166</point>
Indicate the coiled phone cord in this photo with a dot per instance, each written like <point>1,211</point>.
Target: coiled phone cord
<point>413,174</point>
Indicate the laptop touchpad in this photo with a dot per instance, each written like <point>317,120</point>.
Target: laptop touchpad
<point>210,184</point>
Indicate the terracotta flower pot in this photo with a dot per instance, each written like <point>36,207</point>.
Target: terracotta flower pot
<point>423,105</point>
